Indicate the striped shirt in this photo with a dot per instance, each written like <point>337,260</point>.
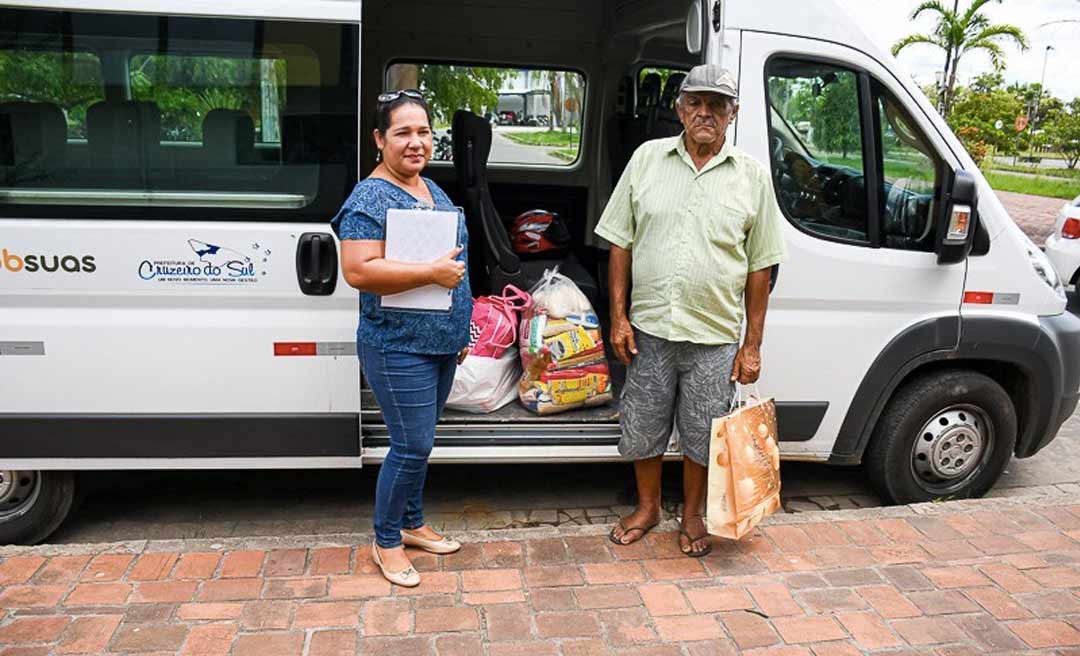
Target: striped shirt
<point>694,237</point>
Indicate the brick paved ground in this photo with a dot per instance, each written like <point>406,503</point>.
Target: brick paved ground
<point>992,576</point>
<point>1034,214</point>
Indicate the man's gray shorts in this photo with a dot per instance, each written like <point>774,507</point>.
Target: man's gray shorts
<point>678,383</point>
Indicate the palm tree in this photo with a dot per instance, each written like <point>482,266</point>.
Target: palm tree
<point>958,33</point>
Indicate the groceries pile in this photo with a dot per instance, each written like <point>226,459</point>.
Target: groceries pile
<point>562,352</point>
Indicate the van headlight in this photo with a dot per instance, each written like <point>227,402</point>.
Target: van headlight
<point>1045,270</point>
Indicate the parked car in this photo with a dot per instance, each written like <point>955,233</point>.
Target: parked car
<point>1063,245</point>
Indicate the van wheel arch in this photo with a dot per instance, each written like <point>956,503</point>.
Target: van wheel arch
<point>999,348</point>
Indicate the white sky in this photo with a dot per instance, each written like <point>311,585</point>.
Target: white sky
<point>888,21</point>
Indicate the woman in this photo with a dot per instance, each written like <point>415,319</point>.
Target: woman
<point>408,357</point>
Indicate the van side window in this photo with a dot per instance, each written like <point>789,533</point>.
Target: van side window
<point>911,177</point>
<point>39,82</point>
<point>535,114</point>
<point>137,116</point>
<point>815,144</point>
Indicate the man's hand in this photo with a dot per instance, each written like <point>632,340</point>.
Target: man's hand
<point>747,367</point>
<point>462,355</point>
<point>622,340</point>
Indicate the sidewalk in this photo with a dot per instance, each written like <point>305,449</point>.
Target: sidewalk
<point>1035,215</point>
<point>972,577</point>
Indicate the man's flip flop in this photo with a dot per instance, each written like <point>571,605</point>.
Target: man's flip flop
<point>689,551</point>
<point>643,529</point>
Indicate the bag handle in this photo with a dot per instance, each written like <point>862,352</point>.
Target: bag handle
<point>743,395</point>
<point>511,294</point>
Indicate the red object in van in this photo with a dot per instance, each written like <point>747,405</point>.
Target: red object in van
<point>539,231</point>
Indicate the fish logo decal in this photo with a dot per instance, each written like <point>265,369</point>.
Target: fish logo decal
<point>207,252</point>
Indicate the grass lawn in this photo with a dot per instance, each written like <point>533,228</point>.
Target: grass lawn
<point>1041,186</point>
<point>894,168</point>
<point>566,154</point>
<point>545,138</point>
<point>1069,174</point>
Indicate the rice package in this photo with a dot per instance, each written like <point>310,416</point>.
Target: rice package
<point>562,352</point>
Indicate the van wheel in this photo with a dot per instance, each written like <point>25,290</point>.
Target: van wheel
<point>944,436</point>
<point>33,504</point>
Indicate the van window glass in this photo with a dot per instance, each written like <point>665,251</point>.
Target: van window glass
<point>912,177</point>
<point>69,81</point>
<point>535,114</point>
<point>815,144</point>
<point>187,89</point>
<point>225,118</point>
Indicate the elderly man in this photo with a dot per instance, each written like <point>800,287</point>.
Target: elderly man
<point>695,222</point>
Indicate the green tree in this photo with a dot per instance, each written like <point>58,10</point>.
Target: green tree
<point>988,82</point>
<point>70,80</point>
<point>959,33</point>
<point>835,117</point>
<point>450,88</point>
<point>1034,96</point>
<point>1063,132</point>
<point>982,110</point>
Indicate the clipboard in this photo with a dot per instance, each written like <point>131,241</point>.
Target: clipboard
<point>420,235</point>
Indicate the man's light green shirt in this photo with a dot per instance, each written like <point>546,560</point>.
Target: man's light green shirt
<point>694,237</point>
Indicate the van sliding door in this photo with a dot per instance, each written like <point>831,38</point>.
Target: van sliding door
<point>168,273</point>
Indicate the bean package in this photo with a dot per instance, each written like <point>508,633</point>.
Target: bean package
<point>562,351</point>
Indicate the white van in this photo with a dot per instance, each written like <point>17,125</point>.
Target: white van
<point>169,290</point>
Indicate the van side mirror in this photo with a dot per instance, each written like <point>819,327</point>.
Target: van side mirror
<point>957,224</point>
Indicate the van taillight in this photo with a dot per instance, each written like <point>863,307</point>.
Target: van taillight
<point>1071,229</point>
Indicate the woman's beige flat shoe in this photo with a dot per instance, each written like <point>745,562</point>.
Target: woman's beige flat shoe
<point>443,545</point>
<point>408,578</point>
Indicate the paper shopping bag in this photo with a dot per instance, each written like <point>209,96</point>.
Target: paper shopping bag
<point>744,470</point>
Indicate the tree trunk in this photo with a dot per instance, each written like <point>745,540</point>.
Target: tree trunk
<point>944,93</point>
<point>950,87</point>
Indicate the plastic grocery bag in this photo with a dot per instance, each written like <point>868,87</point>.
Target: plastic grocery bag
<point>562,351</point>
<point>744,467</point>
<point>484,384</point>
<point>494,324</point>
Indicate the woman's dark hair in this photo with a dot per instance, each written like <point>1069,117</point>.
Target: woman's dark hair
<point>384,111</point>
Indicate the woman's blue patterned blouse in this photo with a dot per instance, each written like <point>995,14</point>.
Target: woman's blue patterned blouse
<point>363,216</point>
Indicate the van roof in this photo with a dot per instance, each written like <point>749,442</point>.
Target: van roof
<point>830,21</point>
<point>341,11</point>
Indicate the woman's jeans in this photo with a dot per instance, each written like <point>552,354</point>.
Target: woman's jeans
<point>411,390</point>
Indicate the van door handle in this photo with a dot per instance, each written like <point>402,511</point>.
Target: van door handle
<point>316,264</point>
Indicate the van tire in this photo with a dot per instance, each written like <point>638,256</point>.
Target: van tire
<point>51,504</point>
<point>949,412</point>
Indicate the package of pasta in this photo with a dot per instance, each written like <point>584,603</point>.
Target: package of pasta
<point>562,351</point>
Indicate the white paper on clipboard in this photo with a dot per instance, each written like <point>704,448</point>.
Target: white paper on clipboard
<point>419,235</point>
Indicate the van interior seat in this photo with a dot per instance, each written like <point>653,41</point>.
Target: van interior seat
<point>228,137</point>
<point>493,263</point>
<point>124,138</point>
<point>648,104</point>
<point>667,116</point>
<point>33,141</point>
<point>627,132</point>
<point>615,130</point>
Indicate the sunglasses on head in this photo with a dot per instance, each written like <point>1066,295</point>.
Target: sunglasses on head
<point>391,96</point>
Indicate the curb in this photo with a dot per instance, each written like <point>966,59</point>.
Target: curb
<point>1037,496</point>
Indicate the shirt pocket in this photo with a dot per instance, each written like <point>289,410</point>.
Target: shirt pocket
<point>726,227</point>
